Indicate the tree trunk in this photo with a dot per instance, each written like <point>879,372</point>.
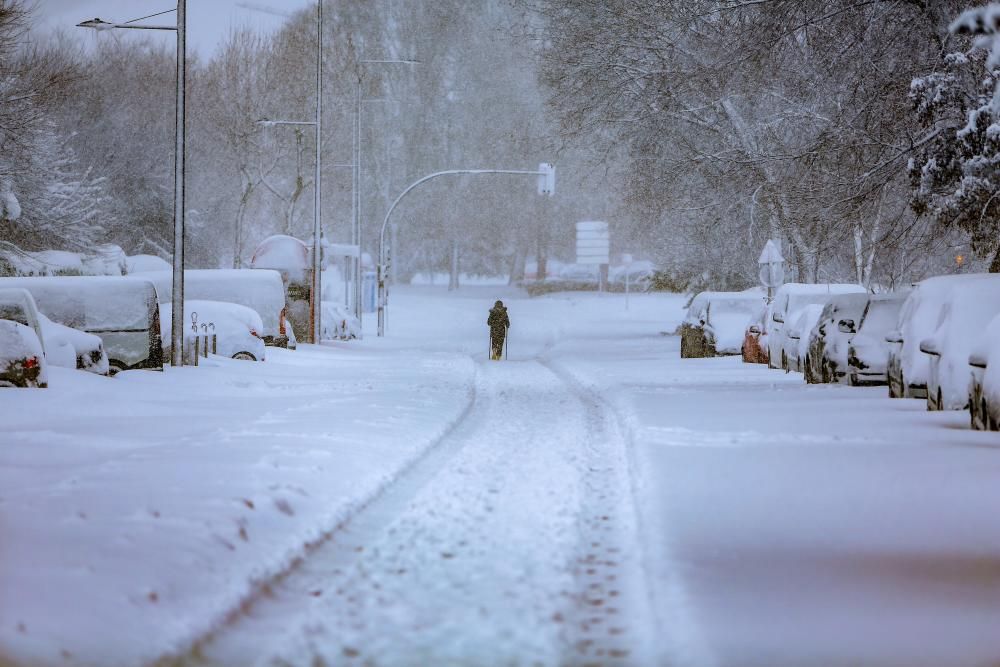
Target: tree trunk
<point>995,264</point>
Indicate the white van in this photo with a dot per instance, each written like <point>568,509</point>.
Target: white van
<point>789,300</point>
<point>259,289</point>
<point>121,311</point>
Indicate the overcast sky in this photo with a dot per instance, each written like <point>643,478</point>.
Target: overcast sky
<point>208,21</point>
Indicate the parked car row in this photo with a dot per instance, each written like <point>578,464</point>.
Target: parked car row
<point>105,324</point>
<point>938,340</point>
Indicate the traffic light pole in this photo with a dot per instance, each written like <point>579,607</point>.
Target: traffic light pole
<point>546,174</point>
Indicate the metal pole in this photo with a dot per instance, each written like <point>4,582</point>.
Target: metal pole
<point>177,295</point>
<point>385,222</point>
<point>317,224</point>
<point>357,203</point>
<point>626,288</point>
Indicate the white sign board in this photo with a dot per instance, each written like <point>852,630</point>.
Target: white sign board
<point>592,243</point>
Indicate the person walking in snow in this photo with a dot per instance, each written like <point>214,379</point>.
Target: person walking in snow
<point>499,323</point>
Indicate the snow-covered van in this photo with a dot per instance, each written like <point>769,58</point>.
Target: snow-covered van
<point>121,311</point>
<point>259,289</point>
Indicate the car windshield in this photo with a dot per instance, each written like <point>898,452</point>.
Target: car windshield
<point>745,307</point>
<point>881,316</point>
<point>14,312</point>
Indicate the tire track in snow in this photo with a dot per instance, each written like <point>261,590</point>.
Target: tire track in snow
<point>522,551</point>
<point>237,638</point>
<point>611,611</point>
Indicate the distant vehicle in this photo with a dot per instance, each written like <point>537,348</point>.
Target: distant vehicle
<point>338,323</point>
<point>716,322</point>
<point>868,352</point>
<point>754,348</point>
<point>791,298</point>
<point>907,367</point>
<point>22,360</point>
<point>639,273</point>
<point>826,359</point>
<point>259,289</point>
<point>121,311</point>
<point>796,347</point>
<point>963,318</point>
<point>237,328</point>
<point>22,341</point>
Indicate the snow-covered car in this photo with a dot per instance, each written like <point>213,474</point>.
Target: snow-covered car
<point>755,337</point>
<point>692,340</point>
<point>868,352</point>
<point>237,328</point>
<point>726,321</point>
<point>982,415</point>
<point>121,311</point>
<point>826,359</point>
<point>791,298</point>
<point>964,316</point>
<point>338,323</point>
<point>796,345</point>
<point>22,360</point>
<point>86,350</point>
<point>907,367</point>
<point>259,289</point>
<point>639,275</point>
<point>708,331</point>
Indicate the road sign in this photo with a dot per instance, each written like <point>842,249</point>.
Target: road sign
<point>593,243</point>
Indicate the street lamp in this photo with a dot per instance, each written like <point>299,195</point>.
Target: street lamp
<point>356,226</point>
<point>317,253</point>
<point>177,295</point>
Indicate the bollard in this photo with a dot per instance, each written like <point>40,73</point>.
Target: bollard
<point>204,337</point>
<point>191,353</point>
<point>215,338</point>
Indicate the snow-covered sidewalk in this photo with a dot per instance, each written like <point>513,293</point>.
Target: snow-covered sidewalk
<point>135,512</point>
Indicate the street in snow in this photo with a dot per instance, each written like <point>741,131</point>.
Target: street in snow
<point>592,499</point>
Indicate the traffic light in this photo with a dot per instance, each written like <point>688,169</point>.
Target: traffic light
<point>546,179</point>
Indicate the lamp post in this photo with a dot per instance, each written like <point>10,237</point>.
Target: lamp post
<point>177,295</point>
<point>356,226</point>
<point>546,174</point>
<point>315,289</point>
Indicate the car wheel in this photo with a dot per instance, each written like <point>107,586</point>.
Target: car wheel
<point>784,361</point>
<point>852,380</point>
<point>244,356</point>
<point>115,367</point>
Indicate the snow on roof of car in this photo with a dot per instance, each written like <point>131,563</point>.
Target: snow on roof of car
<point>259,289</point>
<point>91,302</point>
<point>145,263</point>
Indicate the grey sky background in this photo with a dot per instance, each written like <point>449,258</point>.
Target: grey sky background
<point>208,20</point>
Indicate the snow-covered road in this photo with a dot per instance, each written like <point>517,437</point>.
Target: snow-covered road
<point>404,501</point>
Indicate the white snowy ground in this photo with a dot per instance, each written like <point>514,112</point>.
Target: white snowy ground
<point>595,500</point>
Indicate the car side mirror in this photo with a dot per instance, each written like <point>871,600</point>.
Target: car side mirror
<point>894,337</point>
<point>929,346</point>
<point>846,326</point>
<point>754,329</point>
